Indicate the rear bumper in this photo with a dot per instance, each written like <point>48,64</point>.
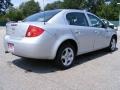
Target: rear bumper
<point>37,48</point>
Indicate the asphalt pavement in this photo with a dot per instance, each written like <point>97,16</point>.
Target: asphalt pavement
<point>98,70</point>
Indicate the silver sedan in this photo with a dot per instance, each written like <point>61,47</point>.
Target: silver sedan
<point>59,35</point>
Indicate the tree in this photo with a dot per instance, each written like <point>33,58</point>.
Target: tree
<point>24,10</point>
<point>103,10</point>
<point>115,9</point>
<point>30,8</point>
<point>98,7</point>
<point>14,14</point>
<point>74,4</point>
<point>54,5</point>
<point>95,5</point>
<point>4,4</point>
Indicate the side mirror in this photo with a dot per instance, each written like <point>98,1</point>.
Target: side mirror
<point>105,25</point>
<point>111,26</point>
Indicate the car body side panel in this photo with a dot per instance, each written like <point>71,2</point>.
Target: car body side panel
<point>59,41</point>
<point>83,34</point>
<point>42,47</point>
<point>101,39</point>
<point>61,33</point>
<point>102,35</point>
<point>85,37</point>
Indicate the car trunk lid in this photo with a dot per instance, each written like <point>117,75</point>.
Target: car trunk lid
<point>18,30</point>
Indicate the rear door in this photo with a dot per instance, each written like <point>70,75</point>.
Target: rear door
<point>80,28</point>
<point>100,32</point>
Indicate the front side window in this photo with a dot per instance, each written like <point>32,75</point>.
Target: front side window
<point>78,19</point>
<point>95,21</point>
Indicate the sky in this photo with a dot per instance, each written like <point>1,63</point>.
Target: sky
<point>16,3</point>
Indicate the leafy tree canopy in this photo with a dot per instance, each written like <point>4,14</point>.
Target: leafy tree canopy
<point>30,7</point>
<point>74,4</point>
<point>14,14</point>
<point>98,7</point>
<point>4,4</point>
<point>24,10</point>
<point>54,5</point>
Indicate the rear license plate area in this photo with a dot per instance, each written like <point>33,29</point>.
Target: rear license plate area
<point>11,47</point>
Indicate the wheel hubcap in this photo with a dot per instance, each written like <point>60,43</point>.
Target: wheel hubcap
<point>67,56</point>
<point>113,44</point>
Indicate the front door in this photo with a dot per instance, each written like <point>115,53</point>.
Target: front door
<point>100,32</point>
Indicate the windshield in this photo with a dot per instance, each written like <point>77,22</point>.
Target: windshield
<point>42,16</point>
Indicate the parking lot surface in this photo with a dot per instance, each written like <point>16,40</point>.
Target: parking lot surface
<point>98,70</point>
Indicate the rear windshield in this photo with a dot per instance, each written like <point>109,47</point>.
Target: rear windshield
<point>42,16</point>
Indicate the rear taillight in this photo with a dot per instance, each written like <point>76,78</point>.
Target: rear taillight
<point>34,31</point>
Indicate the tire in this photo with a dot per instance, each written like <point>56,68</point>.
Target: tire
<point>65,56</point>
<point>112,46</point>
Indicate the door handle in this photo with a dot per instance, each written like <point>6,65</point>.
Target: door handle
<point>77,32</point>
<point>97,32</point>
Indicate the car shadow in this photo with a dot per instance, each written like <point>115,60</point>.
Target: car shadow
<point>47,66</point>
<point>92,56</point>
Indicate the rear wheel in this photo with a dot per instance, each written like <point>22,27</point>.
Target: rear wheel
<point>65,56</point>
<point>112,46</point>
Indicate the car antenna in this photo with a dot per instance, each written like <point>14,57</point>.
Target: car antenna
<point>44,10</point>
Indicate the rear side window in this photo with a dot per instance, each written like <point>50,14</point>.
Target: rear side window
<point>42,16</point>
<point>78,19</point>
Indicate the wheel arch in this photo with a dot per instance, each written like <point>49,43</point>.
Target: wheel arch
<point>114,36</point>
<point>72,42</point>
<point>63,41</point>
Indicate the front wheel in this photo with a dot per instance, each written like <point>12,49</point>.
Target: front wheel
<point>112,46</point>
<point>65,56</point>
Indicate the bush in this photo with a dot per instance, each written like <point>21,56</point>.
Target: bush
<point>3,20</point>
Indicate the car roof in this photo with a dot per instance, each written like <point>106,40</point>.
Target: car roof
<point>77,10</point>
